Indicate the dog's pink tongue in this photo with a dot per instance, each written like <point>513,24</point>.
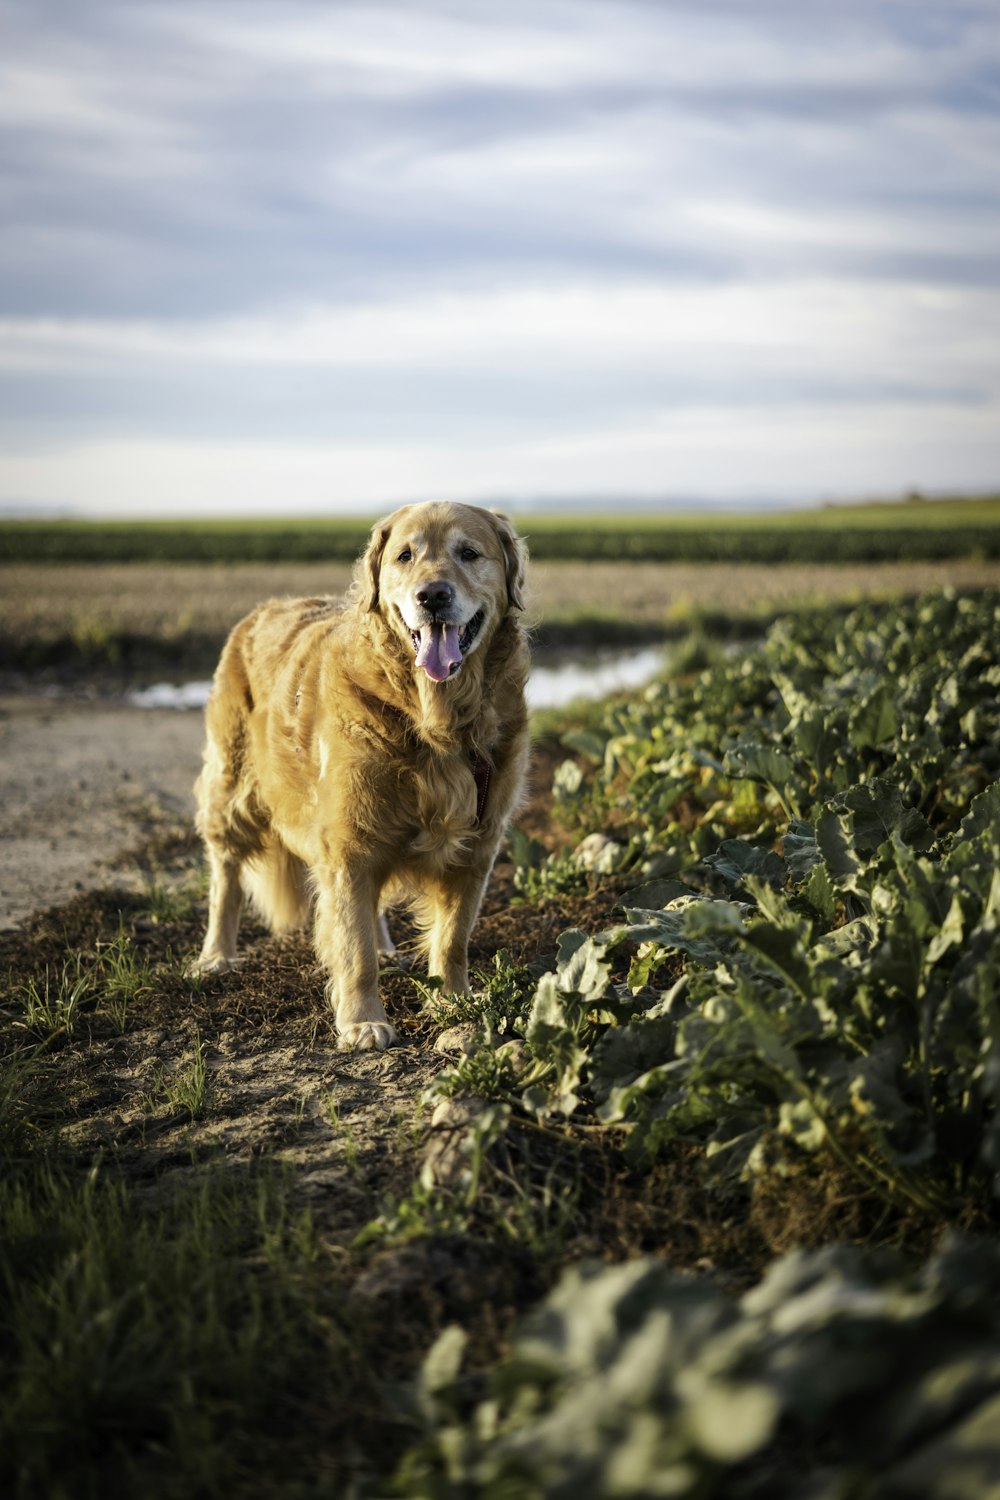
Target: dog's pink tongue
<point>439,651</point>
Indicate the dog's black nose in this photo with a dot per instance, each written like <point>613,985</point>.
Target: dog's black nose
<point>435,596</point>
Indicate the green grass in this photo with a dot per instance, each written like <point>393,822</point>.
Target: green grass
<point>161,1344</point>
<point>168,1331</point>
<point>111,980</point>
<point>911,530</point>
<point>186,1092</point>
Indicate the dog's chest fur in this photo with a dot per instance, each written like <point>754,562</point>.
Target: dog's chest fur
<point>446,806</point>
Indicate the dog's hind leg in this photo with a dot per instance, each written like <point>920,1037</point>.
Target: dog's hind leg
<point>225,900</point>
<point>232,830</point>
<point>386,946</point>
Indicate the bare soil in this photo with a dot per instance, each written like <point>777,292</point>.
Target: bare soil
<point>82,783</point>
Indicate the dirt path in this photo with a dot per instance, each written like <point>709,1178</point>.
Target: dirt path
<point>81,783</point>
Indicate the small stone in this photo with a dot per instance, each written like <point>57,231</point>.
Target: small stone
<point>516,1051</point>
<point>460,1039</point>
<point>598,853</point>
<point>444,1160</point>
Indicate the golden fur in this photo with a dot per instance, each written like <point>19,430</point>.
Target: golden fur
<point>369,751</point>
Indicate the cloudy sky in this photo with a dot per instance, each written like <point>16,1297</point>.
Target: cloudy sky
<point>302,256</point>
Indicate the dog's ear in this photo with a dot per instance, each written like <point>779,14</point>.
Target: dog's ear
<point>371,562</point>
<point>516,554</point>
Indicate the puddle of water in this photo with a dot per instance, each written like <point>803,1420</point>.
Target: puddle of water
<point>171,695</point>
<point>548,687</point>
<point>595,677</point>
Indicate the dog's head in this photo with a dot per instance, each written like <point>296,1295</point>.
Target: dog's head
<point>443,576</point>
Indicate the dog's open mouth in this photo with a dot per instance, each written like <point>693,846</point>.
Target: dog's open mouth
<point>440,645</point>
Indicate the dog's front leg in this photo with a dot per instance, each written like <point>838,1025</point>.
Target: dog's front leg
<point>346,917</point>
<point>453,901</point>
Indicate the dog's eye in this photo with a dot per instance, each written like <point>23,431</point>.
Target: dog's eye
<point>469,554</point>
<point>405,556</point>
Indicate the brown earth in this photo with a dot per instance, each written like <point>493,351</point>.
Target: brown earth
<point>82,783</point>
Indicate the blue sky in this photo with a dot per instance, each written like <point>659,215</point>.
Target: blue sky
<point>299,257</point>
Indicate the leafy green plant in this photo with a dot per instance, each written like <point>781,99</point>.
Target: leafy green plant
<point>499,1002</point>
<point>907,692</point>
<point>486,1071</point>
<point>838,1374</point>
<point>540,875</point>
<point>830,946</point>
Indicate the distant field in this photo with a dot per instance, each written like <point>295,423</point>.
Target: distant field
<point>174,616</point>
<point>910,531</point>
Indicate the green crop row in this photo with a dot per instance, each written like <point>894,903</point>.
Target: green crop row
<point>807,974</point>
<point>924,531</point>
<point>815,828</point>
<point>836,1377</point>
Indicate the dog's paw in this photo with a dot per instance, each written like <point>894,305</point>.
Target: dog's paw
<point>207,964</point>
<point>367,1036</point>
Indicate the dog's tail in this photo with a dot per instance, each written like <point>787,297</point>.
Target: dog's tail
<point>277,884</point>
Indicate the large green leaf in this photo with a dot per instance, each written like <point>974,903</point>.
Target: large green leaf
<point>876,720</point>
<point>800,850</point>
<point>702,929</point>
<point>754,761</point>
<point>580,966</point>
<point>839,1374</point>
<point>878,811</point>
<point>734,860</point>
<point>835,840</point>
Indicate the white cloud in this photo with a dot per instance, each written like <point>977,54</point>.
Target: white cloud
<point>532,46</point>
<point>706,452</point>
<point>745,229</point>
<point>830,330</point>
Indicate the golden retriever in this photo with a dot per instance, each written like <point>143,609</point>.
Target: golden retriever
<point>370,751</point>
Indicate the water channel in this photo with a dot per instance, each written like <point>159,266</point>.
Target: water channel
<point>551,685</point>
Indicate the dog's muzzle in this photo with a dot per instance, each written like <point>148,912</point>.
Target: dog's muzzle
<point>441,644</point>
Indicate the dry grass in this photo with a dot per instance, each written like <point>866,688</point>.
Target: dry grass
<point>657,593</point>
<point>44,602</point>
